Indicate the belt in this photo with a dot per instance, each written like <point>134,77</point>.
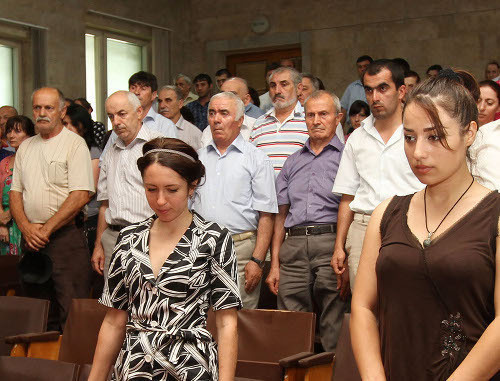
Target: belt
<point>312,229</point>
<point>116,228</point>
<point>243,236</point>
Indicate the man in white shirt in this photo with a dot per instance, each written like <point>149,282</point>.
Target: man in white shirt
<point>492,71</point>
<point>374,166</point>
<point>485,155</point>
<point>169,105</point>
<point>120,188</point>
<point>184,83</point>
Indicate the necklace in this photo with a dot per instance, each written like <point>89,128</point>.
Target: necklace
<point>428,240</point>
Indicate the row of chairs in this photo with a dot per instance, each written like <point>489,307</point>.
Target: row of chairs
<point>273,345</point>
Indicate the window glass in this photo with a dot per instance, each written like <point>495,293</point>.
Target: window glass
<point>123,60</point>
<point>6,76</point>
<point>90,72</point>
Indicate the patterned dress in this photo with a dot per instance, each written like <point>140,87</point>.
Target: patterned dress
<point>166,335</point>
<point>13,247</point>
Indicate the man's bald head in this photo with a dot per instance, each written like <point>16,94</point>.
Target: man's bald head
<point>239,87</point>
<point>124,111</point>
<point>6,112</point>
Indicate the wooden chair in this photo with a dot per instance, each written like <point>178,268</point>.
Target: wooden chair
<point>78,343</point>
<point>19,315</point>
<point>267,336</point>
<point>10,283</point>
<point>338,366</point>
<point>31,369</point>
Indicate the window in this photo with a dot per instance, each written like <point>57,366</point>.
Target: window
<point>110,61</point>
<point>8,86</point>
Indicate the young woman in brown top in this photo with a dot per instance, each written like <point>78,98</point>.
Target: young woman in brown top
<point>427,295</point>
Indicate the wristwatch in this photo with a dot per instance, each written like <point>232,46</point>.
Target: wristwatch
<point>258,261</point>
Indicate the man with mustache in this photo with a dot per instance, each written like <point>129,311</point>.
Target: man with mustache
<point>300,274</point>
<point>169,105</point>
<point>374,166</point>
<point>238,191</point>
<point>120,188</point>
<point>282,130</point>
<point>52,182</point>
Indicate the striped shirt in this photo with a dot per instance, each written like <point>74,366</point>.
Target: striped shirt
<point>280,140</point>
<point>120,181</point>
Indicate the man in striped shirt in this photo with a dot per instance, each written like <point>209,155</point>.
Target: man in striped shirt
<point>282,130</point>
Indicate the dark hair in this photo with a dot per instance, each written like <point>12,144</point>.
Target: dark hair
<point>69,100</point>
<point>272,66</point>
<point>313,80</point>
<point>321,85</point>
<point>80,118</point>
<point>187,114</point>
<point>254,95</point>
<point>448,91</point>
<point>364,58</point>
<point>434,67</point>
<point>493,62</point>
<point>189,170</point>
<point>26,124</point>
<point>222,72</point>
<point>202,77</point>
<point>491,84</point>
<point>84,103</point>
<point>397,73</point>
<point>411,73</point>
<point>404,63</point>
<point>358,106</point>
<point>145,79</point>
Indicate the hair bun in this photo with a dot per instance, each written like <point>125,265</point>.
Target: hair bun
<point>450,74</point>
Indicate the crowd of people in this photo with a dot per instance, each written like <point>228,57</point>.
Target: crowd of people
<point>180,205</point>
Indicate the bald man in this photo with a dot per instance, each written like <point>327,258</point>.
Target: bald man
<point>6,112</point>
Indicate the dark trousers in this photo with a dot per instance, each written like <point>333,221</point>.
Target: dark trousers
<point>308,283</point>
<point>70,278</point>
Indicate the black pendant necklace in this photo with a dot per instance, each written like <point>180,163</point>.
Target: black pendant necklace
<point>428,240</point>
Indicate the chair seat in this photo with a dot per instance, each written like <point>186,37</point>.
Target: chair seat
<point>31,369</point>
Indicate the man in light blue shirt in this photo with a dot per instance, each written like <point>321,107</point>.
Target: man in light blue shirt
<point>238,192</point>
<point>355,91</point>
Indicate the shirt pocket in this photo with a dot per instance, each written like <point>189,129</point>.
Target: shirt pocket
<point>58,173</point>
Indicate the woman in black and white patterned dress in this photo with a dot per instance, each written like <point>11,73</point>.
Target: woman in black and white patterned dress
<point>165,273</point>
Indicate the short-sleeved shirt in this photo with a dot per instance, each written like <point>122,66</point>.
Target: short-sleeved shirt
<point>238,185</point>
<point>372,170</point>
<point>245,131</point>
<point>200,113</point>
<point>46,171</point>
<point>279,140</point>
<point>305,183</point>
<point>253,111</point>
<point>167,314</point>
<point>120,181</point>
<point>355,91</point>
<point>188,133</point>
<point>485,155</point>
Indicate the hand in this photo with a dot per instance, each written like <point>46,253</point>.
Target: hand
<point>34,236</point>
<point>4,234</point>
<point>253,274</point>
<point>98,258</point>
<point>338,260</point>
<point>343,284</point>
<point>5,217</point>
<point>273,279</point>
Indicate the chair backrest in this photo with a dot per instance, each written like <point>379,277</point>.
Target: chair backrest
<point>9,275</point>
<point>270,335</point>
<point>81,331</point>
<point>32,369</point>
<point>345,368</point>
<point>21,315</point>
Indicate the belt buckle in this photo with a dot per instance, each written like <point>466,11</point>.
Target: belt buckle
<point>307,230</point>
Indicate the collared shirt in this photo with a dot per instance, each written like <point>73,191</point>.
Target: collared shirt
<point>238,185</point>
<point>265,102</point>
<point>190,97</point>
<point>253,111</point>
<point>372,170</point>
<point>280,140</point>
<point>199,114</point>
<point>46,171</point>
<point>305,183</point>
<point>188,133</point>
<point>155,122</point>
<point>355,91</point>
<point>245,131</point>
<point>120,181</point>
<point>485,155</point>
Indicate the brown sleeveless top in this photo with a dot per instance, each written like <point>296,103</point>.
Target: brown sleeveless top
<point>435,303</point>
